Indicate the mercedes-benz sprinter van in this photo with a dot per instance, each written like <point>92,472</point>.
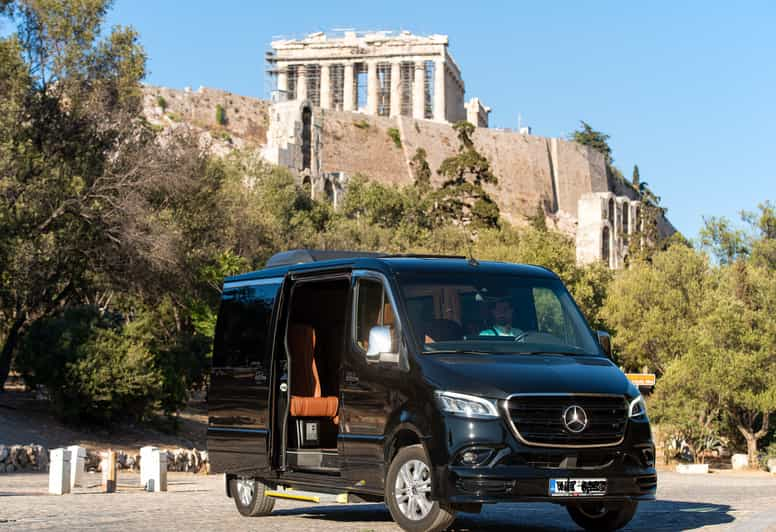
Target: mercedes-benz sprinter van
<point>434,384</point>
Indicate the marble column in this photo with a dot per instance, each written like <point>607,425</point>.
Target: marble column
<point>325,87</point>
<point>371,88</point>
<point>301,82</point>
<point>282,79</point>
<point>440,101</point>
<point>395,89</point>
<point>348,89</point>
<point>419,90</point>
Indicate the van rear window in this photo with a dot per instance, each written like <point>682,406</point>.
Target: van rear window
<point>243,325</point>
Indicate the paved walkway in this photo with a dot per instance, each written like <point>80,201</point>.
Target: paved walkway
<point>721,501</point>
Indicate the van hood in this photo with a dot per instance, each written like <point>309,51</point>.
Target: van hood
<point>497,376</point>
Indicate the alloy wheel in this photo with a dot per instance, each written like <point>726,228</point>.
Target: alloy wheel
<point>412,490</point>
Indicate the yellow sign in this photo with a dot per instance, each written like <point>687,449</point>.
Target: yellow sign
<point>641,379</point>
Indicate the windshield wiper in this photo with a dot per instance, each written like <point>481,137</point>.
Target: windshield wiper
<point>570,353</point>
<point>457,352</point>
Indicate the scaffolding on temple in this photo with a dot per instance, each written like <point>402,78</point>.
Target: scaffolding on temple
<point>406,79</point>
<point>384,89</point>
<point>337,80</point>
<point>313,73</point>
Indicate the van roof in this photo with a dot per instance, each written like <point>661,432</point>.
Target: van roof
<point>312,260</point>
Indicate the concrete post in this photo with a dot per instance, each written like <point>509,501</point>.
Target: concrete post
<point>325,87</point>
<point>59,472</point>
<point>348,89</point>
<point>301,82</point>
<point>440,113</point>
<point>77,466</point>
<point>146,457</point>
<point>395,89</point>
<point>419,90</point>
<point>371,88</point>
<point>154,471</point>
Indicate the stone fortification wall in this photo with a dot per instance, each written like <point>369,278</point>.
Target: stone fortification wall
<point>532,170</point>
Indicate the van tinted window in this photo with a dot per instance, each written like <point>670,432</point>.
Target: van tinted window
<point>243,325</point>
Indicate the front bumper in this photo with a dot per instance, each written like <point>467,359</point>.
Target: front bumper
<point>517,472</point>
<point>521,483</point>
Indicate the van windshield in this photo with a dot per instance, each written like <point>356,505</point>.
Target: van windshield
<point>487,313</point>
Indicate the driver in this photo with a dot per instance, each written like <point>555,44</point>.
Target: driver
<point>501,314</point>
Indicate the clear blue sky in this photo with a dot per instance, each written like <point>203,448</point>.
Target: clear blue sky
<point>687,90</point>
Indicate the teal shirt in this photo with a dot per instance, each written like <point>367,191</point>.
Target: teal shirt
<point>500,331</point>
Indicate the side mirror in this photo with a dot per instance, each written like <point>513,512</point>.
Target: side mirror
<point>381,345</point>
<point>606,342</point>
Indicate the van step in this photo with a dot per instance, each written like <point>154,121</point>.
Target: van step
<point>307,496</point>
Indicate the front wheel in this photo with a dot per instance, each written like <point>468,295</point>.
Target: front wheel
<point>598,516</point>
<point>408,490</point>
<point>249,497</point>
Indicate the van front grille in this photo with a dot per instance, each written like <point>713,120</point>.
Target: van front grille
<point>538,419</point>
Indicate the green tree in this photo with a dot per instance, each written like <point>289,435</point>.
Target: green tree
<point>462,198</point>
<point>70,152</point>
<point>220,115</point>
<point>636,178</point>
<point>652,305</point>
<point>92,370</point>
<point>587,136</point>
<point>726,243</point>
<point>421,171</point>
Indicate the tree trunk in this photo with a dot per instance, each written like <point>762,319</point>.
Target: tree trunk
<point>745,425</point>
<point>11,339</point>
<point>751,450</point>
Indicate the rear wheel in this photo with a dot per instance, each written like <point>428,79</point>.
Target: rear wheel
<point>249,497</point>
<point>598,516</point>
<point>408,490</point>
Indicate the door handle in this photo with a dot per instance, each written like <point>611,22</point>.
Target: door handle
<point>283,387</point>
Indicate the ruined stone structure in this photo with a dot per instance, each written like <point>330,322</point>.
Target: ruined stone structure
<point>604,224</point>
<point>378,73</point>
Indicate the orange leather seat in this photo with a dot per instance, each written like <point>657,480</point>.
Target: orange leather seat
<point>306,399</point>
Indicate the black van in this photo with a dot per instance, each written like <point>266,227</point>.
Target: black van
<point>434,384</point>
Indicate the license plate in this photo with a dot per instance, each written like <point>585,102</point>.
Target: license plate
<point>577,487</point>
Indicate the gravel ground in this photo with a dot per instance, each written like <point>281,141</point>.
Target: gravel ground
<point>720,501</point>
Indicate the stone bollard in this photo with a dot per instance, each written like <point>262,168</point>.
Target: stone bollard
<point>59,472</point>
<point>739,461</point>
<point>109,472</point>
<point>77,466</point>
<point>155,469</point>
<point>145,464</point>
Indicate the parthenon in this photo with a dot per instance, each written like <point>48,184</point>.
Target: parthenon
<point>377,73</point>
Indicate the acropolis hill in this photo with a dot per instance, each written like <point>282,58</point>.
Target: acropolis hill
<point>364,103</point>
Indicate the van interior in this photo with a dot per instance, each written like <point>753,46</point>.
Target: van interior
<point>315,344</point>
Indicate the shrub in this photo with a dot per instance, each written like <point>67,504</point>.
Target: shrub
<point>161,102</point>
<point>92,370</point>
<point>395,136</point>
<point>361,124</point>
<point>220,115</point>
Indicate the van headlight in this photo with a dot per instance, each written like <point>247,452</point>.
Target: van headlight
<point>638,408</point>
<point>463,405</point>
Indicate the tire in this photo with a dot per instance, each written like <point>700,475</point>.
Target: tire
<point>407,489</point>
<point>248,495</point>
<point>596,516</point>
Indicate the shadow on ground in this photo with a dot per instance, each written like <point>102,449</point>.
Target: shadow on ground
<point>659,515</point>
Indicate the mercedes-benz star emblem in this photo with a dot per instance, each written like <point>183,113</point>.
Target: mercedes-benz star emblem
<point>575,419</point>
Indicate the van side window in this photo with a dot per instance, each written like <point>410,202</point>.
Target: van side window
<point>373,308</point>
<point>243,323</point>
